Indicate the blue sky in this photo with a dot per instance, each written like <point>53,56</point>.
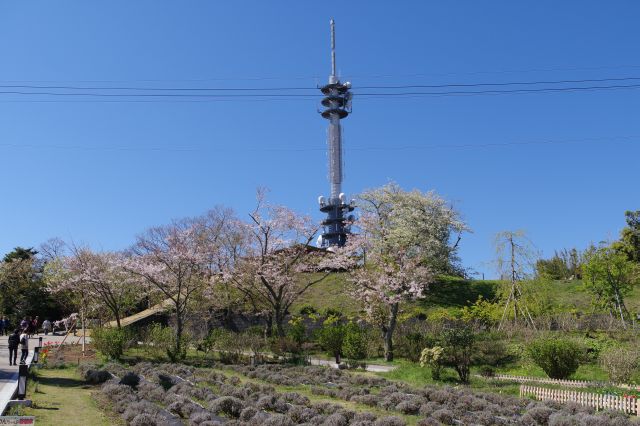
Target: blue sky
<point>562,166</point>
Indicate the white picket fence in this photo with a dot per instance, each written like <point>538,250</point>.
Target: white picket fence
<point>560,382</point>
<point>597,401</point>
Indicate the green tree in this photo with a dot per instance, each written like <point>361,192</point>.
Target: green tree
<point>553,269</point>
<point>629,242</point>
<point>565,264</point>
<point>610,276</point>
<point>408,238</point>
<point>22,289</point>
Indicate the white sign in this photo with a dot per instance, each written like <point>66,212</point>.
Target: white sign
<point>17,420</point>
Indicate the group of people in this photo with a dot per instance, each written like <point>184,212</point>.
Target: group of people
<point>20,336</point>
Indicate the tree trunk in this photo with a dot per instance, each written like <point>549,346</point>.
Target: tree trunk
<point>268,327</point>
<point>279,319</point>
<point>118,319</point>
<point>178,343</point>
<point>387,332</point>
<point>84,332</point>
<point>624,324</point>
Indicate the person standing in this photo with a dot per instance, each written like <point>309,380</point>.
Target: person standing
<point>34,325</point>
<point>46,326</point>
<point>24,346</point>
<point>14,340</point>
<point>24,323</point>
<point>2,326</point>
<point>7,326</point>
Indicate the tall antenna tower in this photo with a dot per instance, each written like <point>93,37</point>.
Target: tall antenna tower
<point>337,104</point>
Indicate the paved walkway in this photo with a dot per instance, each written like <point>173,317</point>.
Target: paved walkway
<point>9,374</point>
<point>375,368</point>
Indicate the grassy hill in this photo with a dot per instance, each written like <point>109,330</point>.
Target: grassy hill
<point>452,293</point>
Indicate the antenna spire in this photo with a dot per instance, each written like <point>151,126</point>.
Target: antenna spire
<point>333,47</point>
<point>337,104</point>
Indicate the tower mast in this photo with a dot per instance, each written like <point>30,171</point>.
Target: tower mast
<point>337,104</point>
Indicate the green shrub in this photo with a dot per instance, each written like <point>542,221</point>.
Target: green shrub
<point>332,312</point>
<point>410,345</point>
<point>226,343</point>
<point>412,336</point>
<point>487,371</point>
<point>432,358</point>
<point>158,339</point>
<point>490,350</point>
<point>620,363</point>
<point>161,340</point>
<point>307,309</point>
<point>287,349</point>
<point>559,358</point>
<point>297,330</point>
<point>482,311</point>
<point>355,342</point>
<point>110,342</point>
<point>331,336</point>
<point>595,346</point>
<point>252,342</point>
<point>458,344</point>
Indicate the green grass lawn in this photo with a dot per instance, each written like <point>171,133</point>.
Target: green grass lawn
<point>332,292</point>
<point>415,375</point>
<point>61,397</point>
<point>588,372</point>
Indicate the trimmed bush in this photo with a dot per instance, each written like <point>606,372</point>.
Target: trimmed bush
<point>559,358</point>
<point>227,405</point>
<point>130,379</point>
<point>96,376</point>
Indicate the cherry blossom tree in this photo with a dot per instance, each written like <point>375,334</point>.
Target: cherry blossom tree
<point>95,279</point>
<point>226,241</point>
<point>108,283</point>
<point>406,239</point>
<point>179,262</point>
<point>275,253</point>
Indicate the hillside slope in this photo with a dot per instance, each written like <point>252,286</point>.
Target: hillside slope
<point>452,293</point>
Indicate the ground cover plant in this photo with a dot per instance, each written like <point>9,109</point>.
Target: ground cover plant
<point>168,394</point>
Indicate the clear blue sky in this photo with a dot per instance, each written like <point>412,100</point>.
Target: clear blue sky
<point>100,172</point>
